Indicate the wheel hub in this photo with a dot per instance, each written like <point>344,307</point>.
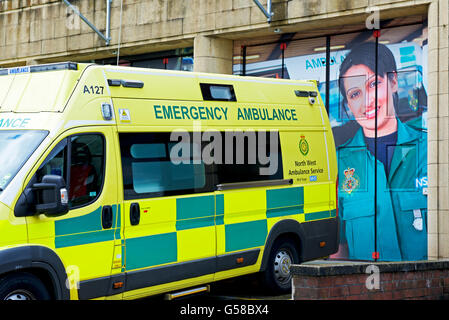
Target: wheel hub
<point>20,295</point>
<point>282,264</point>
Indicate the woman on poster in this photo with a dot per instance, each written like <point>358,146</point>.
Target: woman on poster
<point>401,162</point>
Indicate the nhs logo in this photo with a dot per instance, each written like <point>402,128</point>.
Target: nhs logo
<point>421,182</point>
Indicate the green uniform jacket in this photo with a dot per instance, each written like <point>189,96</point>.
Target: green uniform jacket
<point>400,198</point>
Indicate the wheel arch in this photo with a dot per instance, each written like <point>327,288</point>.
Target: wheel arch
<point>288,228</point>
<point>40,261</point>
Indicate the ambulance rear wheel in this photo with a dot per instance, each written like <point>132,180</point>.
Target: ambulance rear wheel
<point>277,276</point>
<point>22,286</point>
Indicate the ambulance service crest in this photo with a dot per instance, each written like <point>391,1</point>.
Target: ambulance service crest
<point>350,183</point>
<point>303,146</point>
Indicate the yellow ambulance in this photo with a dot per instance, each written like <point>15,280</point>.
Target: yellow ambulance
<point>121,183</point>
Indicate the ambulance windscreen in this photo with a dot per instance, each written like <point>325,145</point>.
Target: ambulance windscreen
<point>18,145</point>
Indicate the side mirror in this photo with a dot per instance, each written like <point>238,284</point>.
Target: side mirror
<point>51,196</point>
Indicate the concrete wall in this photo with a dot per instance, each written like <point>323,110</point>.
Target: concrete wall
<point>38,31</point>
<point>45,30</point>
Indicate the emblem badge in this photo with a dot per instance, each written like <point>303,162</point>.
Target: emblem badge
<point>350,183</point>
<point>303,146</point>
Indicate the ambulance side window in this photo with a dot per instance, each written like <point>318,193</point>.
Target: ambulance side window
<point>79,159</point>
<point>155,166</point>
<point>254,160</point>
<point>148,170</point>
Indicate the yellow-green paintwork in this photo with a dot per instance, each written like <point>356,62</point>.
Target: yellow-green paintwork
<point>56,101</point>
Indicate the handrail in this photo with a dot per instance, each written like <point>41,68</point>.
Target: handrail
<point>253,184</point>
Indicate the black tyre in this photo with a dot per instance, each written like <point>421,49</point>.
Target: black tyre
<point>277,276</point>
<point>22,286</point>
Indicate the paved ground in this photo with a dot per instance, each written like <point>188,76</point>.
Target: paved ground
<point>248,288</point>
<point>241,288</point>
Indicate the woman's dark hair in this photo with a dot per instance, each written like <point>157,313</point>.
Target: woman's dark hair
<point>365,54</point>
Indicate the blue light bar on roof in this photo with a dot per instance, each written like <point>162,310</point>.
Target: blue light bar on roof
<point>55,66</point>
<point>18,70</point>
<point>40,68</point>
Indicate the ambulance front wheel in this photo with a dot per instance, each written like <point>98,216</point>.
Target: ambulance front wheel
<point>22,286</point>
<point>277,276</point>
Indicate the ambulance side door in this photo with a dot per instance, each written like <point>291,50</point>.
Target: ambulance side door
<point>84,237</point>
<point>169,211</point>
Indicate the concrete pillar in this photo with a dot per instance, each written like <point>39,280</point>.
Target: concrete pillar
<point>31,62</point>
<point>212,54</point>
<point>438,131</point>
<point>433,144</point>
<point>443,127</point>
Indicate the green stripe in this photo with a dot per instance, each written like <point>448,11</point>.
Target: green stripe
<point>195,207</point>
<point>219,220</point>
<point>333,213</point>
<point>219,209</point>
<point>86,223</point>
<point>317,215</point>
<point>195,223</point>
<point>287,197</point>
<point>245,235</point>
<point>83,238</point>
<point>151,250</point>
<point>219,201</point>
<point>280,212</point>
<point>85,229</point>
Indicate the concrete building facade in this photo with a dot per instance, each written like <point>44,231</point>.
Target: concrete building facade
<point>43,31</point>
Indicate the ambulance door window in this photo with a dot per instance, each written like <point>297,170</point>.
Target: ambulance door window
<point>85,168</point>
<point>56,162</point>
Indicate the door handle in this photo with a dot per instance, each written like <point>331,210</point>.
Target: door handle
<point>106,217</point>
<point>134,214</point>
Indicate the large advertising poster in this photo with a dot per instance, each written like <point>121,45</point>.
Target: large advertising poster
<point>383,168</point>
